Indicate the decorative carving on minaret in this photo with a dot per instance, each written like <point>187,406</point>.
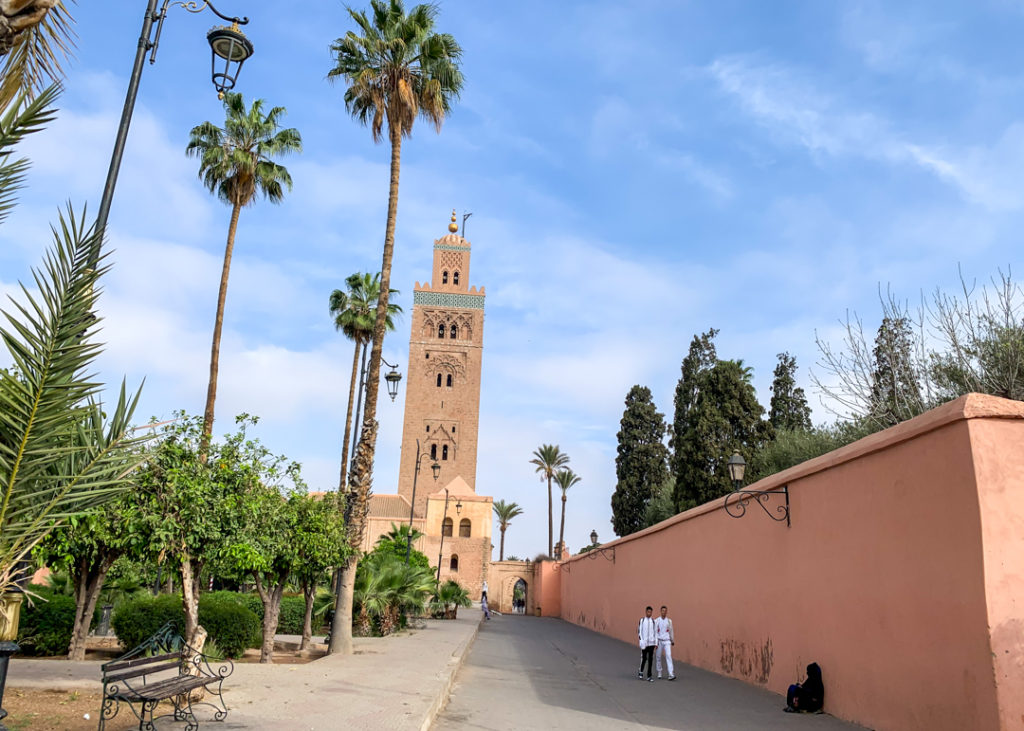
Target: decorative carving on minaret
<point>454,363</point>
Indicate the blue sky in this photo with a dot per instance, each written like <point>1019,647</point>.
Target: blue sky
<point>637,173</point>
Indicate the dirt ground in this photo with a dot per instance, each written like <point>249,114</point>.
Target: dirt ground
<point>58,710</point>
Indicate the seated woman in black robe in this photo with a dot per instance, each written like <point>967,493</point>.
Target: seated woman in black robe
<point>808,696</point>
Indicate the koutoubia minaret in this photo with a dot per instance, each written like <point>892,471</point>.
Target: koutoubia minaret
<point>442,403</point>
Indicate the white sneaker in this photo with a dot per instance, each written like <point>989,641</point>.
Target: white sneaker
<point>659,677</point>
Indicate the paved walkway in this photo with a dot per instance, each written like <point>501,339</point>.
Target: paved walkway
<point>389,683</point>
<point>525,672</point>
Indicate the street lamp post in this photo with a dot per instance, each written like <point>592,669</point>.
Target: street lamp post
<point>393,378</point>
<point>440,551</point>
<point>436,469</point>
<point>226,43</point>
<point>737,468</point>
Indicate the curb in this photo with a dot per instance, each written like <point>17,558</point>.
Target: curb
<point>455,664</point>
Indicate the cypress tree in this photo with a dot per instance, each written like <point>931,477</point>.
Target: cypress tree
<point>789,409</point>
<point>895,391</point>
<point>641,465</point>
<point>725,417</point>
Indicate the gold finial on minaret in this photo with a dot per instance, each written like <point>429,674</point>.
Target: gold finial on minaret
<point>453,227</point>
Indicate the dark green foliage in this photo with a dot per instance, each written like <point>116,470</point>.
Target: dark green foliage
<point>641,465</point>
<point>232,627</point>
<point>895,390</point>
<point>717,415</point>
<point>789,409</point>
<point>137,619</point>
<point>661,506</point>
<point>46,624</point>
<point>395,542</point>
<point>792,446</point>
<point>224,615</point>
<point>292,616</point>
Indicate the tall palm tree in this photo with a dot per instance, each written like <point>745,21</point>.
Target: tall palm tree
<point>353,313</point>
<point>565,478</point>
<point>395,68</point>
<point>236,163</point>
<point>505,512</point>
<point>549,458</point>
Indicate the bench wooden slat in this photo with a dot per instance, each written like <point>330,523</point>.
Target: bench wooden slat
<point>136,662</point>
<point>164,689</point>
<point>138,672</point>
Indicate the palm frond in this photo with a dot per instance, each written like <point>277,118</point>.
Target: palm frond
<point>60,454</point>
<point>36,53</point>
<point>22,118</point>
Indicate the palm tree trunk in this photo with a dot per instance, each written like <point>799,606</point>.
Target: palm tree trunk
<point>561,529</point>
<point>218,326</point>
<point>551,528</point>
<point>501,551</point>
<point>359,403</point>
<point>348,419</point>
<point>362,466</point>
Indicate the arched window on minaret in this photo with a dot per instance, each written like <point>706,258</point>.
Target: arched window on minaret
<point>444,277</point>
<point>446,528</point>
<point>453,331</point>
<point>449,381</point>
<point>444,452</point>
<point>453,564</point>
<point>439,380</point>
<point>440,331</point>
<point>465,528</point>
<point>455,278</point>
<point>433,452</point>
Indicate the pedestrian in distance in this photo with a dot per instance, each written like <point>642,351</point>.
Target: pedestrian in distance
<point>483,606</point>
<point>666,639</point>
<point>647,634</point>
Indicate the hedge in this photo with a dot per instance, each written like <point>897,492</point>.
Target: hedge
<point>46,625</point>
<point>290,619</point>
<point>232,626</point>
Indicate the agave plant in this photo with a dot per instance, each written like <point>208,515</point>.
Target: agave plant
<point>61,451</point>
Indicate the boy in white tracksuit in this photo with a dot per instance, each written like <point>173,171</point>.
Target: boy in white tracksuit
<point>666,637</point>
<point>648,641</point>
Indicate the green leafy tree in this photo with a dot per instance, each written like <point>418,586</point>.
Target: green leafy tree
<point>725,418</point>
<point>788,409</point>
<point>449,597</point>
<point>236,163</point>
<point>565,479</point>
<point>61,454</point>
<point>661,506</point>
<point>548,459</point>
<point>641,463</point>
<point>395,69</point>
<point>319,542</point>
<point>701,357</point>
<point>354,313</point>
<point>87,547</point>
<point>505,513</point>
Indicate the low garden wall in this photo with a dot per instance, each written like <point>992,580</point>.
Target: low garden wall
<point>901,574</point>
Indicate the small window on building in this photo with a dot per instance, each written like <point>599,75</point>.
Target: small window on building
<point>455,277</point>
<point>446,527</point>
<point>453,428</point>
<point>444,452</point>
<point>433,452</point>
<point>439,380</point>
<point>440,330</point>
<point>449,381</point>
<point>465,528</point>
<point>444,277</point>
<point>453,564</point>
<point>428,428</point>
<point>453,331</point>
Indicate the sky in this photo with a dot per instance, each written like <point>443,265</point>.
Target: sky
<point>637,172</point>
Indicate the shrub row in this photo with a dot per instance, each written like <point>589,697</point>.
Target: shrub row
<point>46,623</point>
<point>232,626</point>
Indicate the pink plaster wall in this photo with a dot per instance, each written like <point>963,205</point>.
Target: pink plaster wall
<point>905,547</point>
<point>548,599</point>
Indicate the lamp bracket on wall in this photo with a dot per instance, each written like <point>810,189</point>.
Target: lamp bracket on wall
<point>736,503</point>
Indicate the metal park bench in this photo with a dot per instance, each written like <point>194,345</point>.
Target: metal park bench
<point>162,668</point>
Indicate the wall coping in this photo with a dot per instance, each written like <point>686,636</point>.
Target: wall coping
<point>969,406</point>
